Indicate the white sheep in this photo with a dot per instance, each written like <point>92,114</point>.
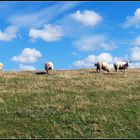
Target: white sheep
<point>1,68</point>
<point>102,65</point>
<point>121,65</point>
<point>48,66</point>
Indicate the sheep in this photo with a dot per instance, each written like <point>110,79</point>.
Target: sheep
<point>102,65</point>
<point>48,66</point>
<point>121,65</point>
<point>1,68</point>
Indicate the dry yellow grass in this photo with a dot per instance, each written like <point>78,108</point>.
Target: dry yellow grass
<point>70,104</point>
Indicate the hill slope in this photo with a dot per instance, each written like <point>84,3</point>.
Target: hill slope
<point>70,104</point>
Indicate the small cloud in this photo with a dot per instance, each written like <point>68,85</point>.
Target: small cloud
<point>74,53</point>
<point>119,59</point>
<point>91,43</point>
<point>87,17</point>
<point>136,42</point>
<point>8,34</point>
<point>135,54</point>
<point>133,20</point>
<point>48,33</point>
<point>26,67</point>
<point>135,65</point>
<point>90,60</point>
<point>28,55</point>
<point>107,46</point>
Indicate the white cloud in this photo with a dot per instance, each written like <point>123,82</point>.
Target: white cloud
<point>107,46</point>
<point>134,56</point>
<point>133,20</point>
<point>48,33</point>
<point>135,53</point>
<point>136,42</point>
<point>40,17</point>
<point>90,43</point>
<point>120,58</point>
<point>135,65</point>
<point>28,55</point>
<point>8,34</point>
<point>26,67</point>
<point>87,17</point>
<point>90,60</point>
<point>74,54</point>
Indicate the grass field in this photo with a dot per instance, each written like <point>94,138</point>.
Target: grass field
<point>70,104</point>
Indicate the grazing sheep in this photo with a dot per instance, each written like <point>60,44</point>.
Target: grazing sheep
<point>121,65</point>
<point>102,65</point>
<point>48,66</point>
<point>1,68</point>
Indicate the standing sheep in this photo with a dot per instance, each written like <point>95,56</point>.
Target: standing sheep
<point>48,66</point>
<point>102,65</point>
<point>1,68</point>
<point>121,65</point>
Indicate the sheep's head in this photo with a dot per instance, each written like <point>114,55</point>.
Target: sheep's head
<point>95,65</point>
<point>127,64</point>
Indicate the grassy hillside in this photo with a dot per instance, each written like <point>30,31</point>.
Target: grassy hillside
<point>70,104</point>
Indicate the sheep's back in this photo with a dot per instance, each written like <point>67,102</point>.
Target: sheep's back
<point>49,64</point>
<point>105,64</point>
<point>120,63</point>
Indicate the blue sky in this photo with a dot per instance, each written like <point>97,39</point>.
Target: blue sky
<point>72,35</point>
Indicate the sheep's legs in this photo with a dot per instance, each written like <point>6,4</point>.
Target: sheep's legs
<point>47,71</point>
<point>97,70</point>
<point>124,72</point>
<point>115,67</point>
<point>108,71</point>
<point>117,70</point>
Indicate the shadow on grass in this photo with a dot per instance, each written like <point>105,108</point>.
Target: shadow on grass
<point>105,73</point>
<point>114,73</point>
<point>40,72</point>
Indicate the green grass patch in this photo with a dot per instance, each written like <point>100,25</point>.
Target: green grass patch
<point>70,104</point>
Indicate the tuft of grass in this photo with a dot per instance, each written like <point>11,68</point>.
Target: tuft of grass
<point>70,104</point>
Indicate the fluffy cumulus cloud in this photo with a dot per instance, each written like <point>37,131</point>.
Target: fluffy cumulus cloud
<point>90,43</point>
<point>26,67</point>
<point>133,20</point>
<point>28,55</point>
<point>90,60</point>
<point>87,17</point>
<point>48,33</point>
<point>8,34</point>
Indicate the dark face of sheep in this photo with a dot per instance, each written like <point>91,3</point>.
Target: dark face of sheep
<point>95,65</point>
<point>125,66</point>
<point>50,68</point>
